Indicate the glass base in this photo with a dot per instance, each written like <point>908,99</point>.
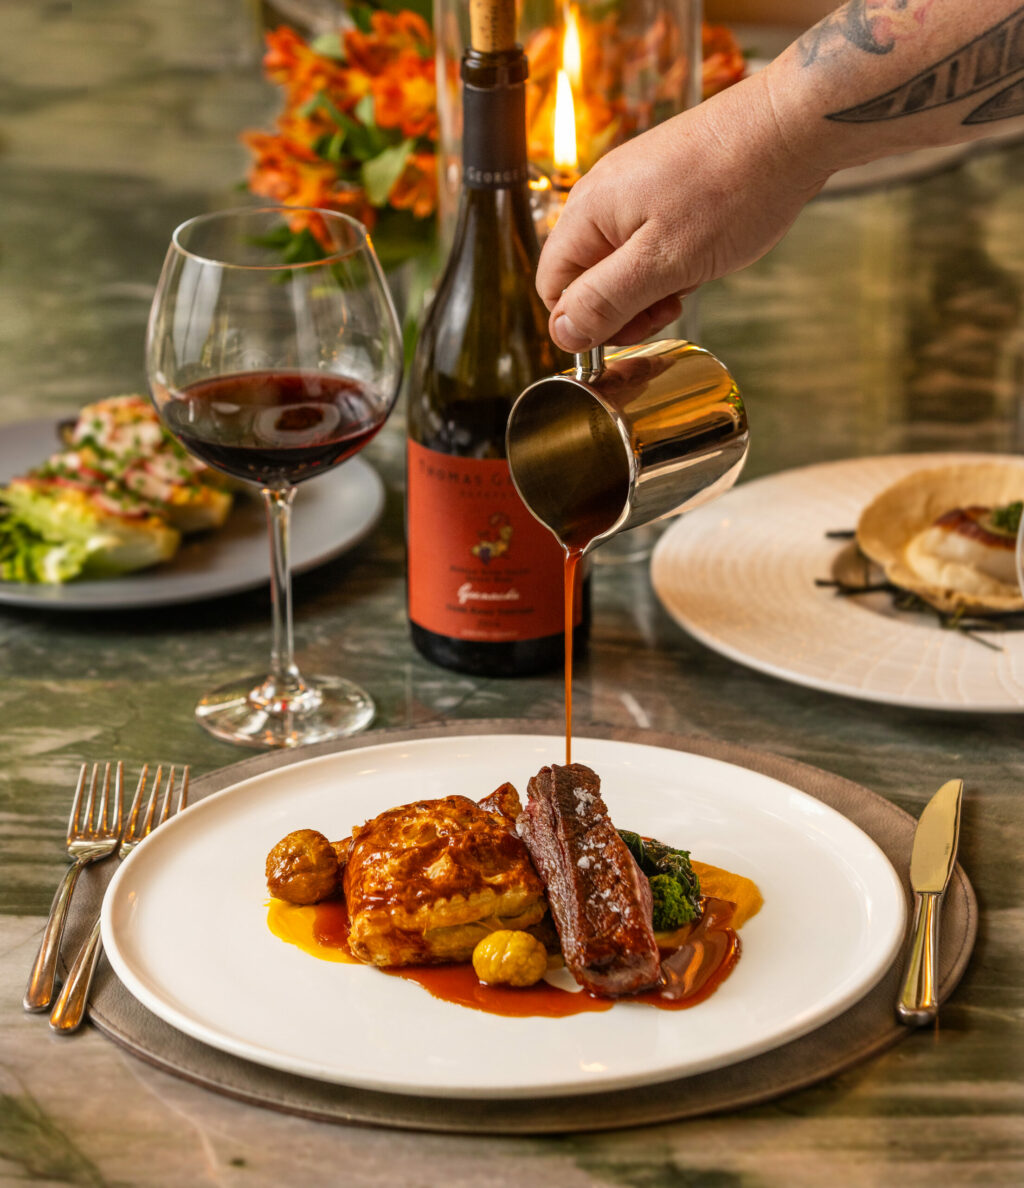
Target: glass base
<point>256,712</point>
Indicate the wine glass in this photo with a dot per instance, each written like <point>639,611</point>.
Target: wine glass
<point>273,371</point>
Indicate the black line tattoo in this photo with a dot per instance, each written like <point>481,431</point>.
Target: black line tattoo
<point>1002,106</point>
<point>850,23</point>
<point>991,58</point>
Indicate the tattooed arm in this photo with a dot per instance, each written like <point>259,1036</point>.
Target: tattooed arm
<point>713,189</point>
<point>948,73</point>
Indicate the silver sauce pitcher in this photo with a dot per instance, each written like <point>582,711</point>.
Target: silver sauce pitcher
<point>622,440</point>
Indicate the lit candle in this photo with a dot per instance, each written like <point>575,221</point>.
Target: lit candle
<point>566,158</point>
<point>572,52</point>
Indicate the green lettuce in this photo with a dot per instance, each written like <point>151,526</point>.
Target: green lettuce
<point>52,534</point>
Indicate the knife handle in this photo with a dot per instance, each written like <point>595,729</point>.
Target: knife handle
<point>918,1002</point>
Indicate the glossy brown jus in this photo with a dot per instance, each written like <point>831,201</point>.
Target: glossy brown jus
<point>704,955</point>
<point>700,959</point>
<point>573,557</point>
<point>599,518</point>
<point>331,925</point>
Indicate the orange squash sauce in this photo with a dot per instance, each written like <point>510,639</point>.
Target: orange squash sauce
<point>717,883</point>
<point>320,929</point>
<point>700,956</point>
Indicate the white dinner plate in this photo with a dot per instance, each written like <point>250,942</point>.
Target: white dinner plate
<point>184,925</point>
<point>739,576</point>
<point>333,512</point>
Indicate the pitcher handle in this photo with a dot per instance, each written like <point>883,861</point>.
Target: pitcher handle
<point>589,364</point>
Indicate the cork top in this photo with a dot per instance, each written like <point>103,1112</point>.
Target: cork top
<point>492,25</point>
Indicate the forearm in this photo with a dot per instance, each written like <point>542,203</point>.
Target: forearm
<point>882,76</point>
<point>714,188</point>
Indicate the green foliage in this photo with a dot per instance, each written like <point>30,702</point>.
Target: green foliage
<point>361,14</point>
<point>329,45</point>
<point>381,172</point>
<point>423,7</point>
<point>302,248</point>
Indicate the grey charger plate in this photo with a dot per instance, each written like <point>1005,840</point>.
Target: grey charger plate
<point>865,1030</point>
<point>333,513</point>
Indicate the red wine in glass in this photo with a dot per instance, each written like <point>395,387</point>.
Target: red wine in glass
<point>330,349</point>
<point>275,428</point>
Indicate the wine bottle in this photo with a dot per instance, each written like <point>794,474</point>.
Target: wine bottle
<point>484,577</point>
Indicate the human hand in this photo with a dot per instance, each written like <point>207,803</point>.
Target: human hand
<point>697,197</point>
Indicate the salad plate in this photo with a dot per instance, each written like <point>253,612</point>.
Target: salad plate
<point>332,514</point>
<point>739,575</point>
<point>185,925</point>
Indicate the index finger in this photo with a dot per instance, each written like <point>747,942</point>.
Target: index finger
<point>574,245</point>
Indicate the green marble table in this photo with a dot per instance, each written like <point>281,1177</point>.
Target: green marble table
<point>889,319</point>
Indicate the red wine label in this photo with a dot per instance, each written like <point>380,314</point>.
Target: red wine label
<point>480,566</point>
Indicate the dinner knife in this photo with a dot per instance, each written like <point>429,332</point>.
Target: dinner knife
<point>931,864</point>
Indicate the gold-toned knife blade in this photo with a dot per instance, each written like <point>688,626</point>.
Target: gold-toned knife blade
<point>936,839</point>
<point>931,863</point>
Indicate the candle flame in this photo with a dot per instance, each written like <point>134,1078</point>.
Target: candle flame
<point>572,52</point>
<point>565,156</point>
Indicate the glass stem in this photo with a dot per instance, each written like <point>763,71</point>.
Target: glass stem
<point>282,658</point>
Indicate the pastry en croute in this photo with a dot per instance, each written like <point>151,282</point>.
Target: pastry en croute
<point>948,534</point>
<point>424,887</point>
<point>425,881</point>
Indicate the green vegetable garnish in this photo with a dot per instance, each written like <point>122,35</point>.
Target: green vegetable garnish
<point>1007,519</point>
<point>675,887</point>
<point>28,556</point>
<point>672,909</point>
<point>53,536</point>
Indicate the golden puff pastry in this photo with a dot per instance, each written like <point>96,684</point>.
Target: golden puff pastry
<point>425,881</point>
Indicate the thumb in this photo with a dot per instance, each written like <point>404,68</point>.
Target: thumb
<point>610,295</point>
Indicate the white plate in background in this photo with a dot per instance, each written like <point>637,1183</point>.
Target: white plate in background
<point>739,573</point>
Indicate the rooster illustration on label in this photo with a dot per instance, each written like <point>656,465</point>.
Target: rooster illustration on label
<point>494,539</point>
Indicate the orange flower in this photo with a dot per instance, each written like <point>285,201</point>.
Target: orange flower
<point>390,34</point>
<point>348,87</point>
<point>287,172</point>
<point>405,96</point>
<point>292,64</point>
<point>724,63</point>
<point>286,51</point>
<point>416,188</point>
<point>315,158</point>
<point>309,123</point>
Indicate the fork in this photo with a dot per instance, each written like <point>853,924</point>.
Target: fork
<point>91,835</point>
<point>69,1009</point>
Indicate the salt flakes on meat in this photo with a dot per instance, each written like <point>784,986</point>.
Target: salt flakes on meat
<point>599,899</point>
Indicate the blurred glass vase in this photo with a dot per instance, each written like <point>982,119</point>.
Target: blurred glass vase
<point>620,66</point>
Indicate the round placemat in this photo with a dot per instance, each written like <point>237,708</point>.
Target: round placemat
<point>864,1030</point>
